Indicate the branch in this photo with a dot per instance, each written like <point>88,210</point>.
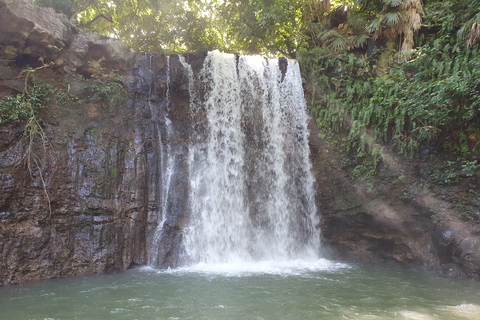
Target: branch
<point>89,23</point>
<point>31,71</point>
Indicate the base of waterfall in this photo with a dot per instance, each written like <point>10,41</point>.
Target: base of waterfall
<point>296,267</point>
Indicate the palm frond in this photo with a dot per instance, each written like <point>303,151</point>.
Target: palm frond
<point>330,34</point>
<point>392,17</point>
<point>339,44</point>
<point>392,3</point>
<point>359,40</point>
<point>335,40</point>
<point>375,25</point>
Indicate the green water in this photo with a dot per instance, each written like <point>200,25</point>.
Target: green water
<point>336,292</point>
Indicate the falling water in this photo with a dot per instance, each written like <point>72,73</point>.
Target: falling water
<point>252,195</point>
<point>166,160</point>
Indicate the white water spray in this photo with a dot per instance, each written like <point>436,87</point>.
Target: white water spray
<point>252,195</point>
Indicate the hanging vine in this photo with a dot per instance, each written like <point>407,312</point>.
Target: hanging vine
<point>33,98</point>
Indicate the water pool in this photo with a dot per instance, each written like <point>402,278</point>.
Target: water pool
<point>324,290</point>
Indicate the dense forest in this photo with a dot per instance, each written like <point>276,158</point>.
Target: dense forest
<point>402,72</point>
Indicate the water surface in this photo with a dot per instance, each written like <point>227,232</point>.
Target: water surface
<point>319,290</point>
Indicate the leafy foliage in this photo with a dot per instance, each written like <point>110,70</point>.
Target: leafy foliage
<point>110,93</point>
<point>433,97</point>
<point>21,106</point>
<point>245,26</point>
<point>249,26</point>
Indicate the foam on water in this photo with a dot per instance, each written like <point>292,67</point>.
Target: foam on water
<point>295,267</point>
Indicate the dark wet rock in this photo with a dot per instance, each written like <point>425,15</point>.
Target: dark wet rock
<point>101,167</point>
<point>195,60</point>
<point>444,243</point>
<point>469,255</point>
<point>451,270</point>
<point>283,64</point>
<point>7,73</point>
<point>90,54</point>
<point>394,219</point>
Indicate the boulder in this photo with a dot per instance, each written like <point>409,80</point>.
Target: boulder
<point>30,32</point>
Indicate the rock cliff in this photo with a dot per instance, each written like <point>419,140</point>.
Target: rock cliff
<point>88,201</point>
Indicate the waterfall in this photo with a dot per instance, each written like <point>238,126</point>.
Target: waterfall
<point>251,189</point>
<point>234,180</point>
<point>163,128</point>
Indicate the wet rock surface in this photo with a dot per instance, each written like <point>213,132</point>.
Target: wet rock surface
<point>99,205</point>
<point>402,216</point>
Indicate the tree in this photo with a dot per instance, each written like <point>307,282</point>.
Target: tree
<point>274,26</point>
<point>248,26</point>
<point>399,18</point>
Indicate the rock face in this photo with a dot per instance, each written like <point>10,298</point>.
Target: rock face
<point>91,199</point>
<point>398,217</point>
<point>29,32</point>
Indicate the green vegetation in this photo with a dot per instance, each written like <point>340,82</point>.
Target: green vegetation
<point>25,108</point>
<point>433,97</point>
<point>27,104</point>
<point>246,26</point>
<point>34,97</point>
<point>110,93</point>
